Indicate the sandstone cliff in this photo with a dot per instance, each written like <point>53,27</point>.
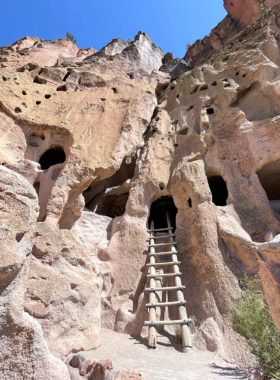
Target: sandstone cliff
<point>89,140</point>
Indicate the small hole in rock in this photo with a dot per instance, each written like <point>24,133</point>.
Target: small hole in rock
<point>39,80</point>
<point>175,145</point>
<point>61,88</point>
<point>190,202</point>
<point>19,236</point>
<point>237,73</point>
<point>227,85</point>
<point>203,87</point>
<point>178,96</point>
<point>114,90</point>
<point>214,84</point>
<point>194,90</point>
<point>4,78</point>
<point>102,99</point>
<point>38,102</point>
<point>172,88</point>
<point>17,110</point>
<point>47,96</point>
<point>66,76</point>
<point>184,131</point>
<point>161,186</point>
<point>244,75</point>
<point>24,105</point>
<point>190,108</point>
<point>24,92</point>
<point>164,88</point>
<point>225,59</point>
<point>210,111</point>
<point>225,80</point>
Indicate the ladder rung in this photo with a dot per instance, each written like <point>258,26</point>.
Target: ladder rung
<point>161,237</point>
<point>164,275</point>
<point>163,264</point>
<point>175,322</point>
<point>160,229</point>
<point>161,244</point>
<point>166,288</point>
<point>162,304</point>
<point>162,253</point>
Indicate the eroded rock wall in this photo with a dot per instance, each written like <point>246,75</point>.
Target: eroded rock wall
<point>86,147</point>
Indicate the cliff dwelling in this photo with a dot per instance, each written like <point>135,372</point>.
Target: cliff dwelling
<point>140,197</point>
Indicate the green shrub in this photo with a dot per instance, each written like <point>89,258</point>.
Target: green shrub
<point>70,37</point>
<point>188,45</point>
<point>252,319</point>
<point>264,9</point>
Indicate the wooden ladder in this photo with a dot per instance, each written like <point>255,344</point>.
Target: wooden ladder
<point>180,303</point>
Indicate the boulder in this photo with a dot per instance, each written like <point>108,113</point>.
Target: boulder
<point>101,370</point>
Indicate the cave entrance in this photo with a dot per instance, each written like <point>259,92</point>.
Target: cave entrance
<point>269,177</point>
<point>109,196</point>
<point>158,212</point>
<point>53,156</point>
<point>112,205</point>
<point>218,189</point>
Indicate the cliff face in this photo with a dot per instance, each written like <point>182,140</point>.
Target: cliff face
<point>89,140</point>
<point>241,13</point>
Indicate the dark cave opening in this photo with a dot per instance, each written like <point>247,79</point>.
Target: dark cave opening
<point>269,177</point>
<point>158,212</point>
<point>112,205</point>
<point>219,190</point>
<point>95,193</point>
<point>53,156</point>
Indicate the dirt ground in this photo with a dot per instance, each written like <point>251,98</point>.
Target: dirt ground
<point>167,362</point>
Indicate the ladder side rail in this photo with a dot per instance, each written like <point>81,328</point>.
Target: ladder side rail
<point>186,334</point>
<point>152,338</point>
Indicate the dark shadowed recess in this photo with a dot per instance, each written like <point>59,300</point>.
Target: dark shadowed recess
<point>94,193</point>
<point>219,190</point>
<point>269,177</point>
<point>112,205</point>
<point>52,157</point>
<point>158,212</point>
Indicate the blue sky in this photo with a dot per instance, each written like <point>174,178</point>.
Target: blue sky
<point>170,24</point>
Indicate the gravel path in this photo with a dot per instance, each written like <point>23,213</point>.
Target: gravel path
<point>167,362</point>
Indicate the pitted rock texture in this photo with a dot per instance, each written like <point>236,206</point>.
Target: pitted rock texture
<point>86,148</point>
